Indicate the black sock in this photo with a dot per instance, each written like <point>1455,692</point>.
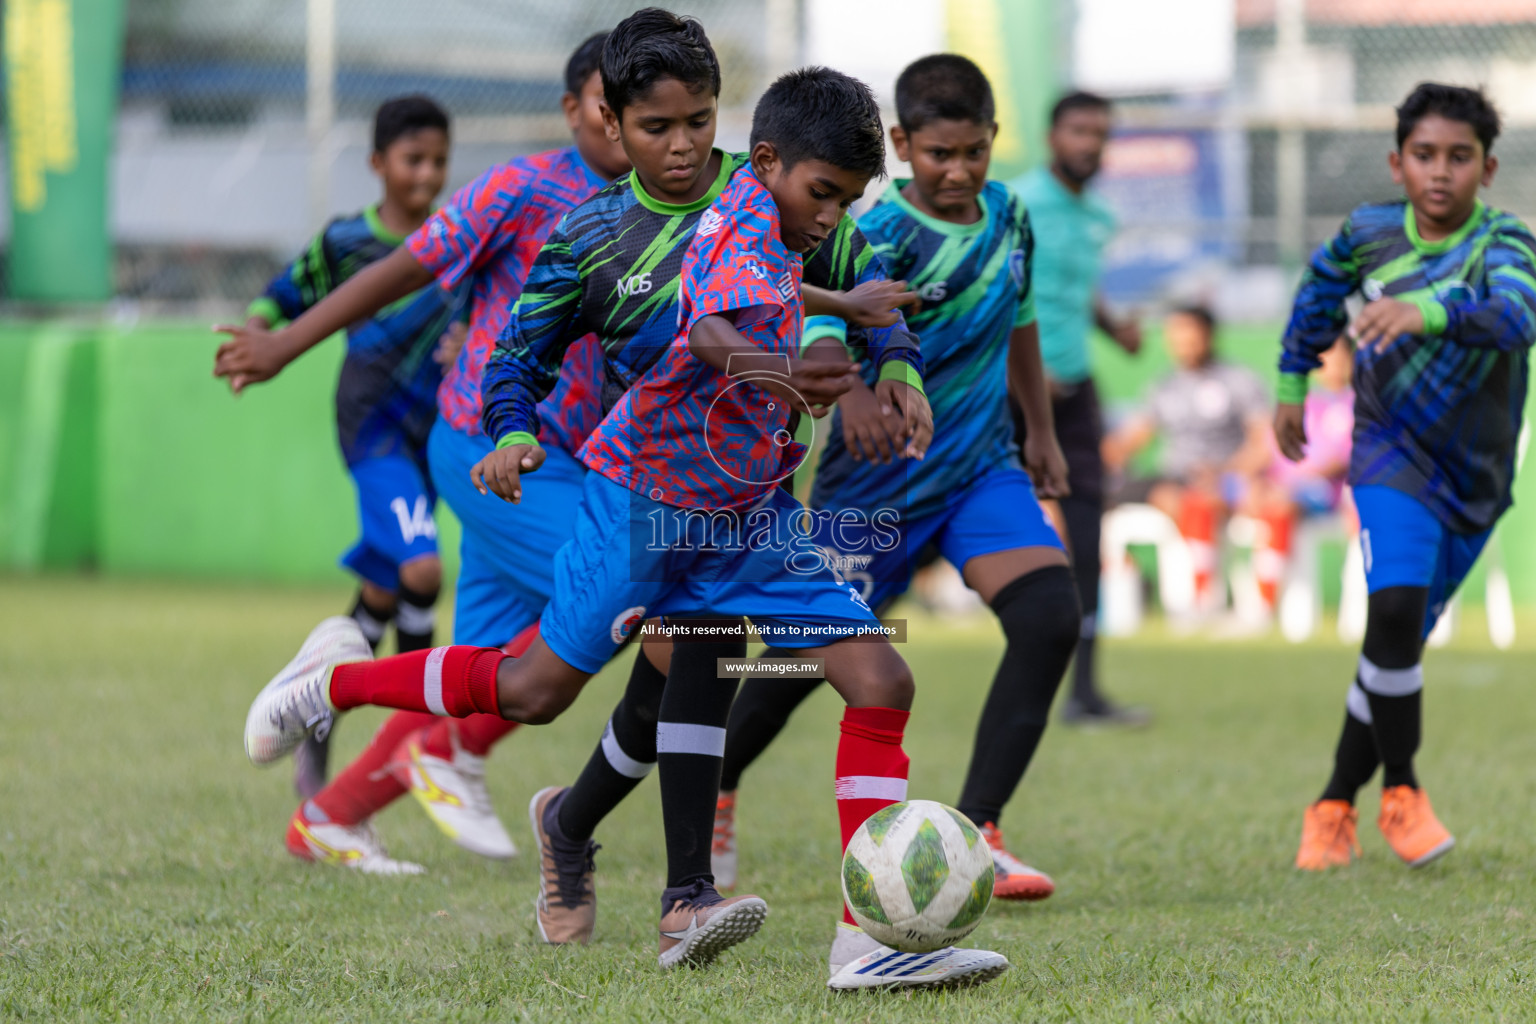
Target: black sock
<point>625,755</point>
<point>1355,759</point>
<point>415,620</point>
<point>761,711</point>
<point>1040,618</point>
<point>1393,679</point>
<point>373,622</point>
<point>690,741</point>
<point>1084,520</point>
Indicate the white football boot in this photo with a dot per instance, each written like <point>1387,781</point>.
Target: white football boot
<point>858,961</point>
<point>452,792</point>
<point>297,698</point>
<point>349,846</point>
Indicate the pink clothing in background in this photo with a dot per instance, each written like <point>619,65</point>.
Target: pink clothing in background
<point>1330,423</point>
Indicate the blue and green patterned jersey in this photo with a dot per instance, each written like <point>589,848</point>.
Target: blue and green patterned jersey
<point>386,397</point>
<point>1436,415</point>
<point>975,283</point>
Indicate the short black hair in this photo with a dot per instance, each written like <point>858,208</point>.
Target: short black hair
<point>1078,100</point>
<point>653,44</point>
<point>943,87</point>
<point>1452,102</point>
<point>820,114</point>
<point>406,115</point>
<point>584,60</point>
<point>1200,312</point>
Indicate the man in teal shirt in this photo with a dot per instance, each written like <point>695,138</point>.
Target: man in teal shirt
<point>1071,227</point>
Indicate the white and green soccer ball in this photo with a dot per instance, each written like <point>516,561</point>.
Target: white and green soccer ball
<point>918,876</point>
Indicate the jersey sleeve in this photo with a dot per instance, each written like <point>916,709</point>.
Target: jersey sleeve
<point>1506,319</point>
<point>842,263</point>
<point>1318,315</point>
<point>525,364</point>
<point>728,272</point>
<point>472,228</point>
<point>298,286</point>
<point>818,327</point>
<point>1021,266</point>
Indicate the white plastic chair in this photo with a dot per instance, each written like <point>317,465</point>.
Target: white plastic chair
<point>1121,609</point>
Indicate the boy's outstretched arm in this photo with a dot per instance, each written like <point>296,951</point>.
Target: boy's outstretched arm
<point>1026,379</point>
<point>811,386</point>
<point>1317,319</point>
<point>1506,319</point>
<point>252,355</point>
<point>871,428</point>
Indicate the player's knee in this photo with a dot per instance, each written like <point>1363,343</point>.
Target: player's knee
<point>542,708</point>
<point>1394,626</point>
<point>1039,611</point>
<point>422,575</point>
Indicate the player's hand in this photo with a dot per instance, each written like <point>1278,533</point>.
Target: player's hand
<point>874,303</point>
<point>250,356</point>
<point>812,386</point>
<point>1382,322</point>
<point>450,344</point>
<point>500,472</point>
<point>1291,430</point>
<point>1127,334</point>
<point>1046,465</point>
<point>917,417</point>
<point>870,430</point>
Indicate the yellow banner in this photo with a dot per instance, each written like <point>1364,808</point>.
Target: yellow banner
<point>40,81</point>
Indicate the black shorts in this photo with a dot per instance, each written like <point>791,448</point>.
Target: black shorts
<point>1079,431</point>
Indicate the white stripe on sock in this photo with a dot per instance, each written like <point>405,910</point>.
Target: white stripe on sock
<point>1390,682</point>
<point>432,681</point>
<point>1357,704</point>
<point>413,618</point>
<point>688,738</point>
<point>622,762</point>
<point>871,787</point>
<point>372,626</point>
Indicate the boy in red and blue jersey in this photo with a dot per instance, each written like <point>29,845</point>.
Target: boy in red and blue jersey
<point>484,239</point>
<point>964,243</point>
<point>1440,380</point>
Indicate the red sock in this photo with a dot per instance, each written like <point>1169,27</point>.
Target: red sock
<point>478,733</point>
<point>1270,555</point>
<point>871,768</point>
<point>452,681</point>
<point>367,785</point>
<point>1197,525</point>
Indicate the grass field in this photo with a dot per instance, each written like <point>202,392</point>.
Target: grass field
<point>142,872</point>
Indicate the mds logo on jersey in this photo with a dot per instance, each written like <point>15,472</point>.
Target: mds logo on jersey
<point>635,284</point>
<point>934,291</point>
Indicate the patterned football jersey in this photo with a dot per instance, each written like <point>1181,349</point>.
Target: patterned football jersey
<point>386,397</point>
<point>975,284</point>
<point>686,434</point>
<point>1436,416</point>
<point>489,233</point>
<point>612,268</point>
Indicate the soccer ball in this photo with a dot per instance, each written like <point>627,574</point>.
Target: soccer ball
<point>918,876</point>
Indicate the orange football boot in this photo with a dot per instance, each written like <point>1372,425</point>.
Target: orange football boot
<point>1328,836</point>
<point>1012,879</point>
<point>1410,826</point>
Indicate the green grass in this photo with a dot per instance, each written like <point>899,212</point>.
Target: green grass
<point>142,873</point>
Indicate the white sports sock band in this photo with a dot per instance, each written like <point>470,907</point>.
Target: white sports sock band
<point>688,738</point>
<point>871,787</point>
<point>620,761</point>
<point>432,681</point>
<point>1390,682</point>
<point>1358,704</point>
<point>414,618</point>
<point>372,626</point>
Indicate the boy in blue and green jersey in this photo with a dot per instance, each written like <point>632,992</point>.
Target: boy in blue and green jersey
<point>1440,384</point>
<point>963,243</point>
<point>386,397</point>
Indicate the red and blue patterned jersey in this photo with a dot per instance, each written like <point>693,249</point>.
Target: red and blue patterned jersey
<point>689,435</point>
<point>1437,416</point>
<point>385,396</point>
<point>491,231</point>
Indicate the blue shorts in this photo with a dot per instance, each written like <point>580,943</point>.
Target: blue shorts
<point>394,504</point>
<point>507,556</point>
<point>632,558</point>
<point>1405,545</point>
<point>999,512</point>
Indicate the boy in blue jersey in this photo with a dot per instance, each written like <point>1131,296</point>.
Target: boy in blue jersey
<point>1440,386</point>
<point>964,244</point>
<point>386,399</point>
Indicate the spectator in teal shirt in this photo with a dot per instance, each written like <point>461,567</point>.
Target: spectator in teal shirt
<point>1071,228</point>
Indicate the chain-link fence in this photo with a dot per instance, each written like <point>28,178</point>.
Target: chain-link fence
<point>229,151</point>
<point>1223,194</point>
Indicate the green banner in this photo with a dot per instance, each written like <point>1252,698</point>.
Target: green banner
<point>62,63</point>
<point>1018,44</point>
